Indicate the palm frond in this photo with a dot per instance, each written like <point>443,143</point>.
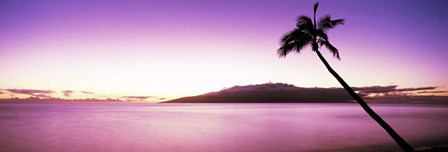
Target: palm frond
<point>304,22</point>
<point>338,21</point>
<point>326,23</point>
<point>293,41</point>
<point>308,32</point>
<point>322,34</point>
<point>331,48</point>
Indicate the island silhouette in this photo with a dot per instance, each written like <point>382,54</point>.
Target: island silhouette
<point>270,93</point>
<point>288,93</point>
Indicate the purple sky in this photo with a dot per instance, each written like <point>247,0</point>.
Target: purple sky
<point>179,48</point>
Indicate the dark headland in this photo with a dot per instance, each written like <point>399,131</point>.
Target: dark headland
<point>287,93</point>
<point>270,93</point>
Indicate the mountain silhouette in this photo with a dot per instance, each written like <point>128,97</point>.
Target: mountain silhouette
<point>270,93</point>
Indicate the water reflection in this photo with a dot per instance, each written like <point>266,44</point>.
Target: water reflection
<point>214,127</point>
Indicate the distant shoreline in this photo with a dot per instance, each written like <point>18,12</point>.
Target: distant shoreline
<point>13,101</point>
<point>212,103</point>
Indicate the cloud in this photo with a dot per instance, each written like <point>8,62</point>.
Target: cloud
<point>29,91</point>
<point>389,89</point>
<point>42,96</point>
<point>432,92</point>
<point>417,89</point>
<point>86,92</point>
<point>137,97</point>
<point>376,89</point>
<point>68,93</point>
<point>2,92</point>
<point>32,92</point>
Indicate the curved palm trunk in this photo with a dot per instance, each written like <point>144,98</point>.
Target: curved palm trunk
<point>400,141</point>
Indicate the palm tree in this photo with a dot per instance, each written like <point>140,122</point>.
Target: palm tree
<point>314,33</point>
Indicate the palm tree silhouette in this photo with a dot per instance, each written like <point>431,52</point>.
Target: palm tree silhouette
<point>314,33</point>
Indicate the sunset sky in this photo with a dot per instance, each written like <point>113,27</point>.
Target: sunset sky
<point>174,48</point>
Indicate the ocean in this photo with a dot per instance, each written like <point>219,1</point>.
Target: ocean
<point>113,127</point>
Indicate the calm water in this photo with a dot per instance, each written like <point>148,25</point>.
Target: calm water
<point>215,127</point>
